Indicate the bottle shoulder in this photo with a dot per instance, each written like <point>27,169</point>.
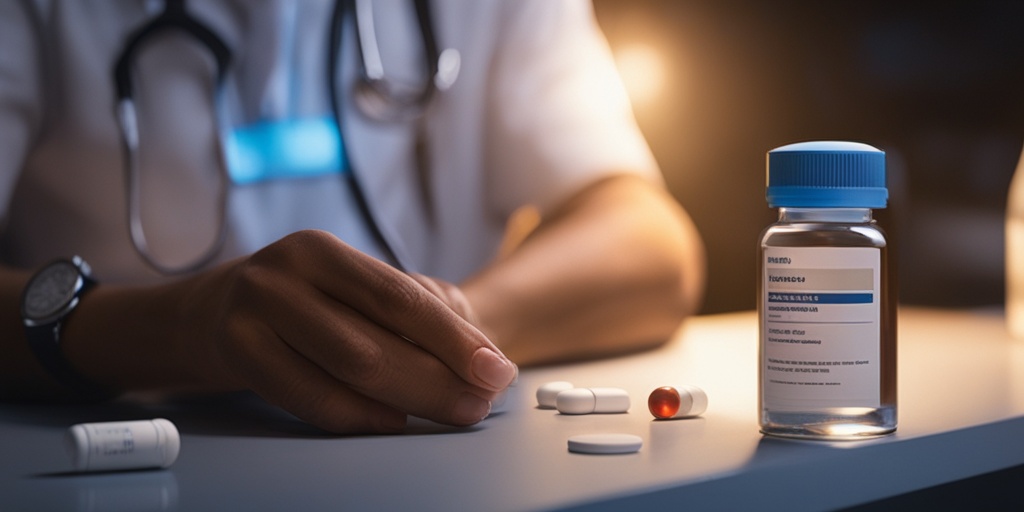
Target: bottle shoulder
<point>823,234</point>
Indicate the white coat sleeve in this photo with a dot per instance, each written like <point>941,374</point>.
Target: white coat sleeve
<point>560,117</point>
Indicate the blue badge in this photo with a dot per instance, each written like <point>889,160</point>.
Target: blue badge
<point>292,148</point>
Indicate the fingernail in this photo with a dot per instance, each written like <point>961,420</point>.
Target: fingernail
<point>470,409</point>
<point>492,369</point>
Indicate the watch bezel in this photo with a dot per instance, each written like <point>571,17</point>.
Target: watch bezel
<point>64,299</point>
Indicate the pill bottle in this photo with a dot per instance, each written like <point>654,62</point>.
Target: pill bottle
<point>827,348</point>
<point>122,445</point>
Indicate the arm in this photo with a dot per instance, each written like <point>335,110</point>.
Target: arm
<point>308,323</point>
<point>615,264</point>
<point>614,269</point>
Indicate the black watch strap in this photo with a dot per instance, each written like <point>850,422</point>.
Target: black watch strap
<point>45,344</point>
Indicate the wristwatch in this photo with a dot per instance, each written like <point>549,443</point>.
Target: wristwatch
<point>49,297</point>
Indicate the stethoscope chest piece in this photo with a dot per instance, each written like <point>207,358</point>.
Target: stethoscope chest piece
<point>374,95</point>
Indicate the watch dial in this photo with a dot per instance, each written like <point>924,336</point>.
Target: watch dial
<point>51,290</point>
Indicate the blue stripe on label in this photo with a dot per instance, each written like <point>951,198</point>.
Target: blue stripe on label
<point>293,148</point>
<point>822,298</point>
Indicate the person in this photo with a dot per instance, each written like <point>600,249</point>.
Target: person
<point>532,218</point>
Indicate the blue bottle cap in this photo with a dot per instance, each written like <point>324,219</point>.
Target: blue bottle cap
<point>827,174</point>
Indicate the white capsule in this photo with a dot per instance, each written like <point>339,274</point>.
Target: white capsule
<point>547,392</point>
<point>119,445</point>
<point>592,400</point>
<point>677,402</point>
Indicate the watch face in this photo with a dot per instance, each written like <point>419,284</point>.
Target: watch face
<point>51,290</point>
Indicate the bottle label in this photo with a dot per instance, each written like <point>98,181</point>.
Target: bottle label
<point>820,336</point>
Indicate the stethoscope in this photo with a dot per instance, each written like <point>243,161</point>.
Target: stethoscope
<point>374,95</point>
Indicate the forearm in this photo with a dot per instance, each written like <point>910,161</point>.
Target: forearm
<point>616,270</point>
<point>141,338</point>
<point>121,338</point>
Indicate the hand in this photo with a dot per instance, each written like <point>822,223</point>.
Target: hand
<point>346,342</point>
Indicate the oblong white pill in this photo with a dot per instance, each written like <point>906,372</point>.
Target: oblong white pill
<point>592,400</point>
<point>605,444</point>
<point>120,445</point>
<point>547,392</point>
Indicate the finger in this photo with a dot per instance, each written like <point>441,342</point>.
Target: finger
<point>398,303</point>
<point>378,363</point>
<point>450,294</point>
<point>286,379</point>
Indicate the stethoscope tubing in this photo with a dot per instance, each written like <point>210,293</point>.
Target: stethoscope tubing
<point>373,96</point>
<point>173,17</point>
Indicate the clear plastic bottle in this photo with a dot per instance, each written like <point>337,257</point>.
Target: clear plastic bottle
<point>827,362</point>
<point>1015,253</point>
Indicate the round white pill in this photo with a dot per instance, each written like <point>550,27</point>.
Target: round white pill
<point>547,392</point>
<point>122,445</point>
<point>592,400</point>
<point>605,444</point>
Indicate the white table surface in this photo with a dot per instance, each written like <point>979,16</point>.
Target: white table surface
<point>961,413</point>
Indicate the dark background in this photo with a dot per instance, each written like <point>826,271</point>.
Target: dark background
<point>939,86</point>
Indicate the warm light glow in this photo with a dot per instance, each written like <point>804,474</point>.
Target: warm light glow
<point>643,72</point>
<point>520,224</point>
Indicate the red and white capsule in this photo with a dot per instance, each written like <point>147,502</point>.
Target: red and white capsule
<point>677,402</point>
